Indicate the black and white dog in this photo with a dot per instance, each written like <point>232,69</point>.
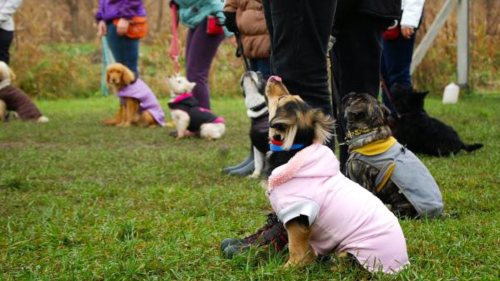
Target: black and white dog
<point>253,86</point>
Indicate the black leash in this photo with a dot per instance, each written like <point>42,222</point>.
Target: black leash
<point>240,52</point>
<point>388,95</point>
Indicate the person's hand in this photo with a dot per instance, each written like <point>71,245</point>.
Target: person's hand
<point>233,41</point>
<point>122,26</point>
<point>407,31</point>
<point>230,22</point>
<point>102,30</point>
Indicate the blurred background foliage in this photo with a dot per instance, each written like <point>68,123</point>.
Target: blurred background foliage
<point>56,53</point>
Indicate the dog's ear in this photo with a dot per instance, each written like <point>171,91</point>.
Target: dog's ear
<point>107,75</point>
<point>347,98</point>
<point>323,126</point>
<point>12,75</point>
<point>422,94</point>
<point>286,126</point>
<point>298,97</point>
<point>191,86</point>
<point>385,110</point>
<point>127,75</point>
<point>6,72</point>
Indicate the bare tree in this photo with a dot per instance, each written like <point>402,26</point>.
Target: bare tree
<point>160,15</point>
<point>74,9</point>
<point>491,17</point>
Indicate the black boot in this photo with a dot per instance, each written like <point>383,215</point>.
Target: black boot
<point>272,233</point>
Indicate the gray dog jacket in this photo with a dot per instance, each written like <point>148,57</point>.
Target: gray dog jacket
<point>409,174</point>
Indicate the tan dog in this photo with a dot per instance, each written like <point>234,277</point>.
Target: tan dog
<point>130,111</point>
<point>14,100</point>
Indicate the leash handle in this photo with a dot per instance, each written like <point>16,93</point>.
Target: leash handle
<point>175,40</point>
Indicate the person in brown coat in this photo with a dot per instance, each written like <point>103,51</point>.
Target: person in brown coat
<point>13,99</point>
<point>246,19</point>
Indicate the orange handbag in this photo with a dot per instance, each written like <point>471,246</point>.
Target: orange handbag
<point>137,28</point>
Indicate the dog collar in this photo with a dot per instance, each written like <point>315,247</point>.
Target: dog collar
<point>276,148</point>
<point>259,107</point>
<point>357,132</point>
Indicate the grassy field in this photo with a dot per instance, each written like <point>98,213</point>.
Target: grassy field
<point>80,201</point>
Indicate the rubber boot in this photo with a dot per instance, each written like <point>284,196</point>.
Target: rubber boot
<point>244,171</point>
<point>245,162</point>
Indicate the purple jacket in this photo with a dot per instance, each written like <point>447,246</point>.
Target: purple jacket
<point>139,90</point>
<point>114,9</point>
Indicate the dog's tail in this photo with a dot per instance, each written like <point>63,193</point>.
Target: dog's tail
<point>472,147</point>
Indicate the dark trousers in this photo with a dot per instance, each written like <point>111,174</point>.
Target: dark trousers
<point>5,42</point>
<point>299,32</point>
<point>261,65</point>
<point>124,49</point>
<point>200,52</point>
<point>355,62</point>
<point>396,61</point>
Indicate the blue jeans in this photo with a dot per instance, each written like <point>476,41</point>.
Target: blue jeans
<point>396,61</point>
<point>261,65</point>
<point>124,49</point>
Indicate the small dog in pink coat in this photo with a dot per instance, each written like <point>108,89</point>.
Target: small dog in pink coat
<point>323,211</point>
<point>190,119</point>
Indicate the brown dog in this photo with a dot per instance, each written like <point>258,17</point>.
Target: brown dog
<point>130,111</point>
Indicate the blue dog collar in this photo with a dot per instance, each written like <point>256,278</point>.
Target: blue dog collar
<point>274,147</point>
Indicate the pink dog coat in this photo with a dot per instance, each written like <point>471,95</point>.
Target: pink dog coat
<point>344,217</point>
<point>140,91</point>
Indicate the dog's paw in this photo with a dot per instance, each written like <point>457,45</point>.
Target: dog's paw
<point>339,268</point>
<point>124,125</point>
<point>43,119</point>
<point>254,175</point>
<point>289,265</point>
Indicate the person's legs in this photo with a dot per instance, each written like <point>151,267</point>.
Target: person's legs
<point>202,50</point>
<point>299,33</point>
<point>124,49</point>
<point>262,65</point>
<point>189,40</point>
<point>355,64</point>
<point>396,62</point>
<point>5,42</point>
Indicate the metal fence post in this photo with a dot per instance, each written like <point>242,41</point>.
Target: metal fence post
<point>463,43</point>
<point>432,33</point>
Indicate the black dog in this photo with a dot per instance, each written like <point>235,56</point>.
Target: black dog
<point>420,132</point>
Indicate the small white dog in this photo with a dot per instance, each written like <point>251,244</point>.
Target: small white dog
<point>13,99</point>
<point>190,119</point>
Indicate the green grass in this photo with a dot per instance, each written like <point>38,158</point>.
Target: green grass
<point>82,201</point>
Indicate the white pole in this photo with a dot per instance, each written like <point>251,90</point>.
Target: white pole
<point>463,43</point>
